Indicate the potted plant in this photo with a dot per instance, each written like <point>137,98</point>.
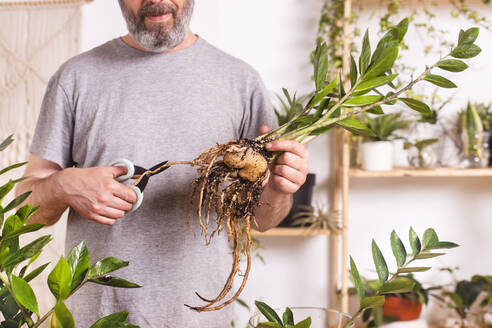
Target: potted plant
<point>399,282</point>
<point>318,218</point>
<point>470,301</point>
<point>18,302</point>
<point>471,130</point>
<point>485,113</point>
<point>377,151</point>
<point>418,156</point>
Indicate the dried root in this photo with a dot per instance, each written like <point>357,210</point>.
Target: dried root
<point>230,184</point>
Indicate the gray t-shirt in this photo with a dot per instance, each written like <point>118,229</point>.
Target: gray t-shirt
<point>118,102</point>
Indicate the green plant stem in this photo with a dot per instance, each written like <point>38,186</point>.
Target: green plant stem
<point>326,120</point>
<point>354,317</point>
<point>43,318</point>
<point>6,282</point>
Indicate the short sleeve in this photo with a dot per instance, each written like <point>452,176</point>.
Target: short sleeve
<point>258,109</point>
<point>53,137</point>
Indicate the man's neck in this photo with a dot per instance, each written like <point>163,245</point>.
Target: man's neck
<point>188,41</point>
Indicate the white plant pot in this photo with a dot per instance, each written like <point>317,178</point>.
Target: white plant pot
<point>377,156</point>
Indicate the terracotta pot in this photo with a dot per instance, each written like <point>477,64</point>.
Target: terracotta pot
<point>403,308</point>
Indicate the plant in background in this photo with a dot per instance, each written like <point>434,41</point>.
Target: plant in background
<point>421,159</point>
<point>485,113</point>
<point>384,126</point>
<point>468,294</point>
<point>318,218</point>
<point>18,303</point>
<point>399,282</point>
<point>472,134</point>
<point>398,306</point>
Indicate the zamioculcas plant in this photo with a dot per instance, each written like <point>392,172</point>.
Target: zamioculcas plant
<point>18,303</point>
<point>384,126</point>
<point>230,175</point>
<point>398,282</point>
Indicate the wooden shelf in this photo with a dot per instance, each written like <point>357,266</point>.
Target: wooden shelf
<point>291,232</point>
<point>409,172</point>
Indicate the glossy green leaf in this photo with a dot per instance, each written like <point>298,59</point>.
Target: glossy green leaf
<point>430,238</point>
<point>5,189</point>
<point>64,316</point>
<point>17,201</point>
<point>11,167</point>
<point>359,287</point>
<point>114,282</point>
<point>24,229</point>
<point>398,285</point>
<point>365,55</point>
<point>356,127</point>
<point>105,266</point>
<point>111,320</point>
<point>25,267</point>
<point>288,317</point>
<point>341,90</point>
<point>443,244</point>
<point>376,110</point>
<point>416,105</point>
<point>379,262</point>
<point>413,269</point>
<point>320,65</point>
<point>6,142</point>
<point>439,81</point>
<point>353,71</point>
<point>268,312</point>
<point>384,64</point>
<point>79,261</point>
<point>27,251</point>
<point>370,84</point>
<point>398,249</point>
<point>362,101</point>
<point>269,325</point>
<point>372,302</point>
<point>469,36</point>
<point>390,102</point>
<point>322,94</point>
<point>422,256</point>
<point>26,212</point>
<point>36,272</point>
<point>466,51</point>
<point>414,242</point>
<point>306,323</point>
<point>60,279</point>
<point>452,65</point>
<point>24,294</point>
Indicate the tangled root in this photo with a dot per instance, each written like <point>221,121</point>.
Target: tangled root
<point>230,184</point>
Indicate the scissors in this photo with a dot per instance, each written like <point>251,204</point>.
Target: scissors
<point>135,169</point>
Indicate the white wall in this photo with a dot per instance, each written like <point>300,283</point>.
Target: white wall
<point>276,37</point>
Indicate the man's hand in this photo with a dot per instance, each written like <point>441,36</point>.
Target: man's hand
<point>95,194</point>
<point>288,173</point>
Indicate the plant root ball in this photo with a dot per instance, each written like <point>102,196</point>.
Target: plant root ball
<point>251,164</point>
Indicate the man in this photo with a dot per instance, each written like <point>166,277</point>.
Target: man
<point>158,93</point>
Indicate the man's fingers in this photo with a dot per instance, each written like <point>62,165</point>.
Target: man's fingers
<point>119,170</point>
<point>288,146</point>
<point>124,192</point>
<point>264,129</point>
<point>289,173</point>
<point>294,161</point>
<point>283,184</point>
<point>101,219</point>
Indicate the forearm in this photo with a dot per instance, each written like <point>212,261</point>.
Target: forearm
<point>45,194</point>
<point>274,207</point>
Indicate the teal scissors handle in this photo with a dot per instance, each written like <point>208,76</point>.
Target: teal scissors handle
<point>122,178</point>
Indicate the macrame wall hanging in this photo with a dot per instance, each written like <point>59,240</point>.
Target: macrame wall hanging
<point>36,37</point>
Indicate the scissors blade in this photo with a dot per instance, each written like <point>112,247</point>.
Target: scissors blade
<point>157,168</point>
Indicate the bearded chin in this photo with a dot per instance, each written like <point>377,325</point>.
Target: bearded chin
<point>165,37</point>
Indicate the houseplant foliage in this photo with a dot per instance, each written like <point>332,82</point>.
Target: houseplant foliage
<point>472,134</point>
<point>18,302</point>
<point>398,282</point>
<point>420,160</point>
